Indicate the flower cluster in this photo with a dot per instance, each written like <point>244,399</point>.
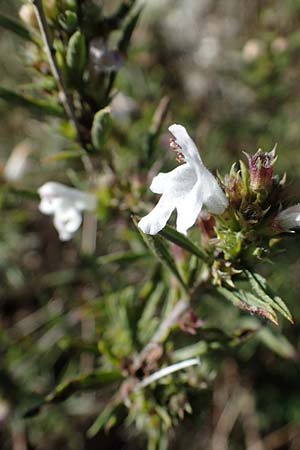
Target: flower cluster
<point>247,202</point>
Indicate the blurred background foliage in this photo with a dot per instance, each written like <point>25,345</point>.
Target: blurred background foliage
<point>231,70</point>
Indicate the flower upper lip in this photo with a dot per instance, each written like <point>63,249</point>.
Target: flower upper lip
<point>188,188</point>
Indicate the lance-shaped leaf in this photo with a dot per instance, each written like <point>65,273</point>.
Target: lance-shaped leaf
<point>123,44</point>
<point>182,241</point>
<point>63,391</point>
<point>109,412</point>
<point>64,155</point>
<point>260,286</point>
<point>159,247</point>
<point>248,302</point>
<point>33,104</point>
<point>16,27</point>
<point>101,128</point>
<point>128,31</point>
<point>76,55</point>
<point>121,257</point>
<point>277,343</point>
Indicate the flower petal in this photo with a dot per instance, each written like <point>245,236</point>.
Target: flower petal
<point>67,220</point>
<point>186,143</point>
<point>156,220</point>
<point>188,209</point>
<point>48,205</point>
<point>180,178</point>
<point>80,200</point>
<point>213,197</point>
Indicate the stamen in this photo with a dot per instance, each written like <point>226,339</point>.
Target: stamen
<point>174,146</point>
<point>180,158</point>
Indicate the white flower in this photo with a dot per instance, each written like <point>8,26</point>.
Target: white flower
<point>289,218</point>
<point>66,205</point>
<point>188,188</point>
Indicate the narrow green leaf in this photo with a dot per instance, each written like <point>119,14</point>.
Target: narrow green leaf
<point>121,257</point>
<point>123,45</point>
<point>64,155</point>
<point>101,128</point>
<point>76,55</point>
<point>128,31</point>
<point>158,245</point>
<point>262,289</point>
<point>248,302</point>
<point>17,27</point>
<point>277,343</point>
<point>148,321</point>
<point>34,105</point>
<point>94,380</point>
<point>104,417</point>
<point>191,351</point>
<point>182,241</point>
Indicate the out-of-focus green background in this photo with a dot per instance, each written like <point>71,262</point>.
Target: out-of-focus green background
<point>232,71</point>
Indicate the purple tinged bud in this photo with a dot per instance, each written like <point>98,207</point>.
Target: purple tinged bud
<point>261,169</point>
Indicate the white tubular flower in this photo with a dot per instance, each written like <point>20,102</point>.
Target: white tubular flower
<point>289,218</point>
<point>188,188</point>
<point>66,205</point>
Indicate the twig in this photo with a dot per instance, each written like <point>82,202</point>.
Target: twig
<point>64,95</point>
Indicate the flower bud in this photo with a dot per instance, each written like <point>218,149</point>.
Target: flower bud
<point>235,185</point>
<point>27,15</point>
<point>261,170</point>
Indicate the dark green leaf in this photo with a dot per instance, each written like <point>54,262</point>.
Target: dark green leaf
<point>101,128</point>
<point>34,105</point>
<point>261,288</point>
<point>182,241</point>
<point>80,383</point>
<point>128,31</point>
<point>248,302</point>
<point>121,257</point>
<point>124,44</point>
<point>76,55</point>
<point>159,247</point>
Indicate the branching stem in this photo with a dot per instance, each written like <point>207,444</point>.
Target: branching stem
<point>64,94</point>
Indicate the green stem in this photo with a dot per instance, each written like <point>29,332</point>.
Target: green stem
<point>64,94</point>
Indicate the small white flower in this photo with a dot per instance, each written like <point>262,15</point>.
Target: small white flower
<point>66,205</point>
<point>289,218</point>
<point>188,188</point>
